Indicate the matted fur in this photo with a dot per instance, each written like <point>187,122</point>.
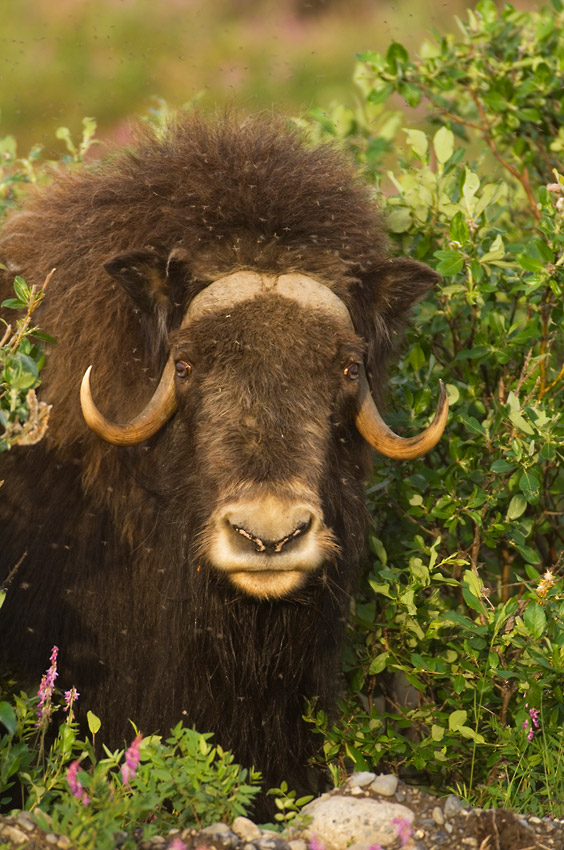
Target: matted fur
<point>114,573</point>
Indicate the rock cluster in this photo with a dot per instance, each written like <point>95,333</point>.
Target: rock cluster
<point>368,812</point>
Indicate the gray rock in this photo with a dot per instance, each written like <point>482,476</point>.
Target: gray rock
<point>452,806</point>
<point>221,835</point>
<point>341,821</point>
<point>385,784</point>
<point>245,829</point>
<point>269,842</point>
<point>216,828</point>
<point>438,816</point>
<point>361,779</point>
<point>12,833</point>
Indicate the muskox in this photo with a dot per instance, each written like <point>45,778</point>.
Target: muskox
<point>194,520</point>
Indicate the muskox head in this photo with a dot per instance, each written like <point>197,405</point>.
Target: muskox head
<point>266,378</point>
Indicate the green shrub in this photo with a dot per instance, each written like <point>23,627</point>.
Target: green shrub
<point>456,604</point>
<point>154,786</point>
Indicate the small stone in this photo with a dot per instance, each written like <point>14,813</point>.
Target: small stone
<point>361,779</point>
<point>357,790</point>
<point>438,816</point>
<point>248,846</point>
<point>534,819</point>
<point>51,838</point>
<point>24,820</point>
<point>63,842</point>
<point>245,829</point>
<point>14,834</point>
<point>216,828</point>
<point>385,784</point>
<point>452,806</point>
<point>267,842</point>
<point>297,844</point>
<point>470,841</point>
<point>449,827</point>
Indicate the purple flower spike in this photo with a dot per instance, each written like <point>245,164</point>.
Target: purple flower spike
<point>74,783</point>
<point>70,698</point>
<point>46,689</point>
<point>129,769</point>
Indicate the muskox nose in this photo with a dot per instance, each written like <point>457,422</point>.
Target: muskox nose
<point>267,544</point>
<point>268,526</point>
<point>246,539</point>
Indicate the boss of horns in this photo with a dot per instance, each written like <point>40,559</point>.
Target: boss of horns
<point>225,293</point>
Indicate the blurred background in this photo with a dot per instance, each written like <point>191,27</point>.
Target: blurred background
<point>62,60</point>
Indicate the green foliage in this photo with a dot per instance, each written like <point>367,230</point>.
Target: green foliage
<point>454,624</point>
<point>288,803</point>
<point>182,782</point>
<point>23,418</point>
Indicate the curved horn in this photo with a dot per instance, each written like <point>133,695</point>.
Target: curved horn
<point>157,412</point>
<point>376,432</point>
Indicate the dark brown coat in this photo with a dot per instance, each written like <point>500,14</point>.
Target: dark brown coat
<point>114,575</point>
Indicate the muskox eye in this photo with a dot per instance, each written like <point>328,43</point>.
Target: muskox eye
<point>352,371</point>
<point>182,369</point>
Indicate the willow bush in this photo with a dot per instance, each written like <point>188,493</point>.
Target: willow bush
<point>457,632</point>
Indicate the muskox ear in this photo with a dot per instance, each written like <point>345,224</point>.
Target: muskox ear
<point>152,279</point>
<point>399,284</point>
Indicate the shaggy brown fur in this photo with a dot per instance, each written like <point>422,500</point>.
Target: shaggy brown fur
<point>147,629</point>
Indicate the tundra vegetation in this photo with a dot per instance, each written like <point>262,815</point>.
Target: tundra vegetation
<point>463,601</point>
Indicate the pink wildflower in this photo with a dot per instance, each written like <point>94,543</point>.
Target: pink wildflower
<point>314,844</point>
<point>534,715</point>
<point>74,783</point>
<point>535,723</point>
<point>375,847</point>
<point>70,698</point>
<point>177,844</point>
<point>46,688</point>
<point>403,829</point>
<point>129,769</point>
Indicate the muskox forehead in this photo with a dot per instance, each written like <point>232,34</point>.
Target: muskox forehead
<point>268,325</point>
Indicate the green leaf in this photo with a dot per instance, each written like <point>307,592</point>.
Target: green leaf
<point>459,230</point>
<point>8,717</point>
<point>501,466</point>
<point>379,663</point>
<point>417,141</point>
<point>457,719</point>
<point>474,583</point>
<point>94,723</point>
<point>469,189</point>
<point>417,357</point>
<point>520,422</point>
<point>410,93</point>
<point>450,262</point>
<point>517,507</point>
<point>452,393</point>
<point>443,144</point>
<point>396,56</point>
<point>534,618</point>
<point>529,486</point>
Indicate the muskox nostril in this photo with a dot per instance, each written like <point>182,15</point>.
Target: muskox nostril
<point>258,544</point>
<point>272,547</point>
